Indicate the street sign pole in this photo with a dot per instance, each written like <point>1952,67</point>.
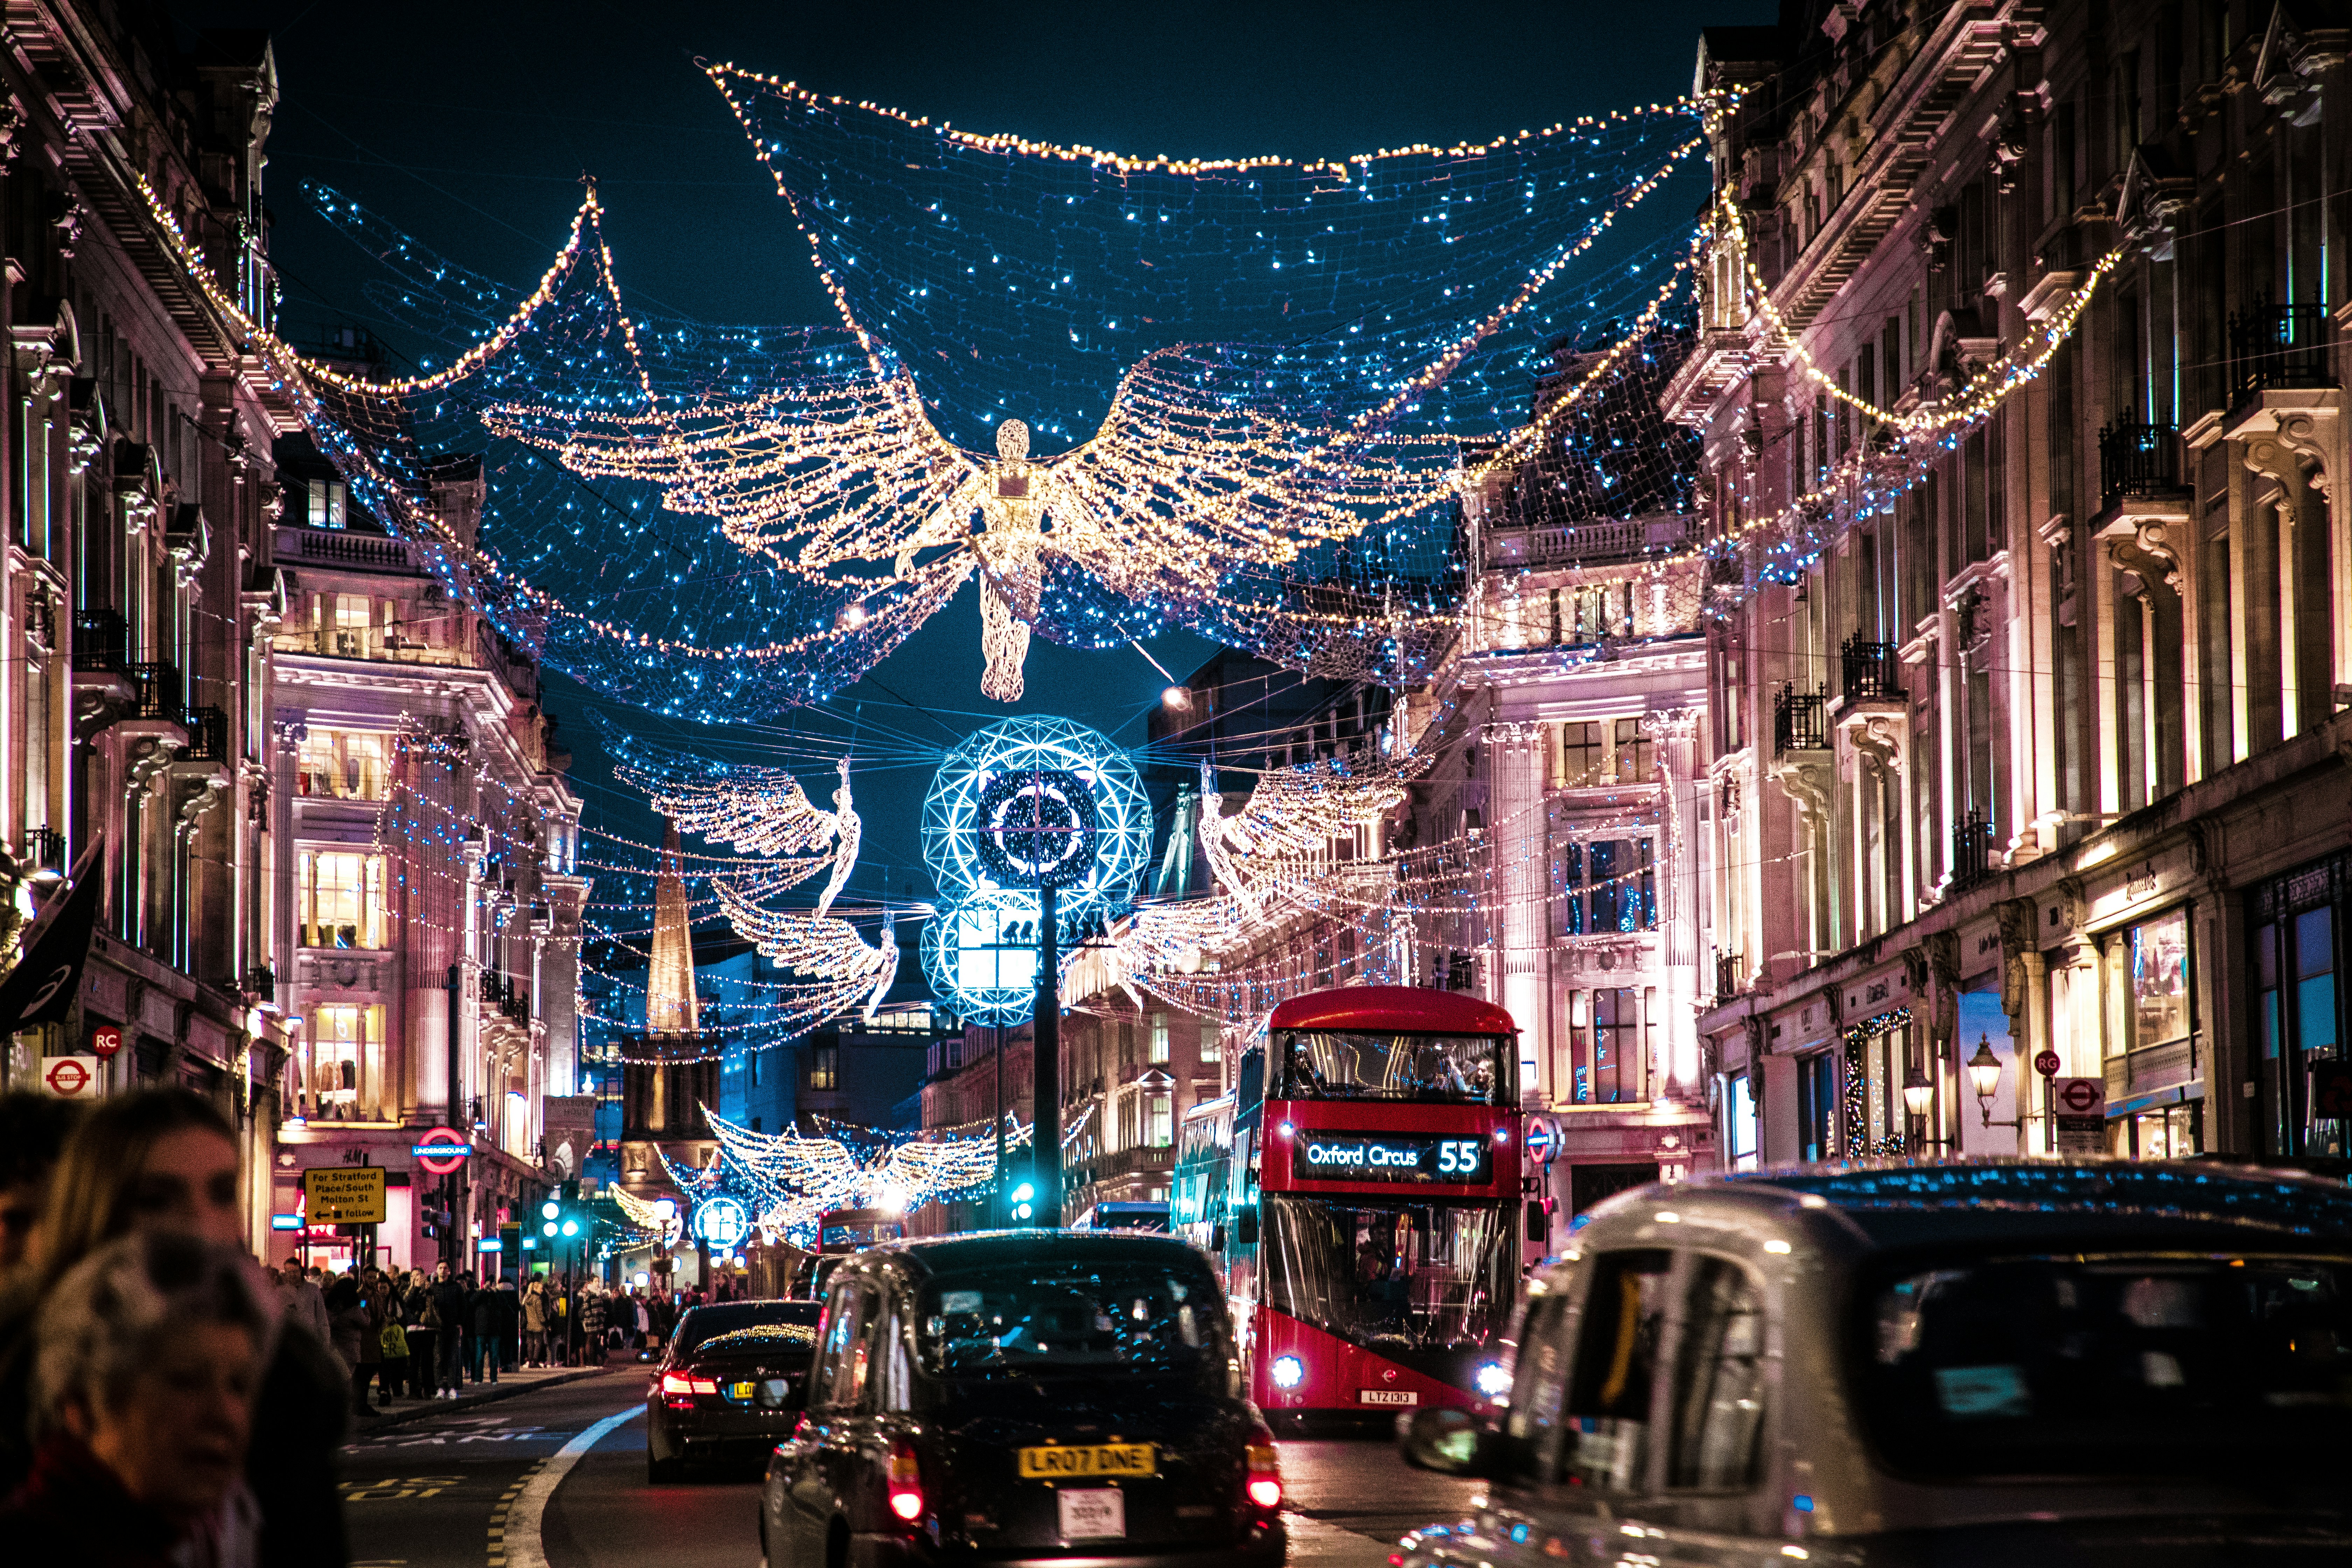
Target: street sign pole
<point>1045,1131</point>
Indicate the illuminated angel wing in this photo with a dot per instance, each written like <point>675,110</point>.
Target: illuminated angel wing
<point>761,811</point>
<point>838,470</point>
<point>815,945</point>
<point>1214,456</point>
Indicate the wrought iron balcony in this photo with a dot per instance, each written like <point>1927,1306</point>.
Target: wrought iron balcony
<point>99,639</point>
<point>1871,671</point>
<point>2277,346</point>
<point>2138,462</point>
<point>158,690</point>
<point>1971,850</point>
<point>1800,720</point>
<point>207,729</point>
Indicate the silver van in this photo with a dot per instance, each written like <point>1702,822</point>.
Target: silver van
<point>1999,1361</point>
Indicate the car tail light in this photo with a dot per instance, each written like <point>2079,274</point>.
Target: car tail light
<point>1264,1486</point>
<point>905,1483</point>
<point>679,1388</point>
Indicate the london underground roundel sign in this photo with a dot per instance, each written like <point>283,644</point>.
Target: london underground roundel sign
<point>442,1151</point>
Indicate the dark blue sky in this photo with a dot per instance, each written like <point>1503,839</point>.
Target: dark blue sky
<point>469,125</point>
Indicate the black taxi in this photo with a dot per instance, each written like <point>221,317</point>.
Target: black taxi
<point>1025,1395</point>
<point>2088,1364</point>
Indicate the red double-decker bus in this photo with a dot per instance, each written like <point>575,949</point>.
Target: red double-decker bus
<point>1361,1193</point>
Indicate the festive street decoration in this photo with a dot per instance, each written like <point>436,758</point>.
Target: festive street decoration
<point>1025,805</point>
<point>786,1180</point>
<point>1035,800</point>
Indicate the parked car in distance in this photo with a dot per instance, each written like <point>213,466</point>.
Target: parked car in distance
<point>729,1383</point>
<point>1020,1396</point>
<point>2011,1362</point>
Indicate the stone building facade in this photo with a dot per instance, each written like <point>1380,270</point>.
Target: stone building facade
<point>2035,743</point>
<point>425,877</point>
<point>311,786</point>
<point>134,463</point>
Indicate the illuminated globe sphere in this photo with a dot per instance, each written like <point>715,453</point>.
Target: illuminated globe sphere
<point>1038,801</point>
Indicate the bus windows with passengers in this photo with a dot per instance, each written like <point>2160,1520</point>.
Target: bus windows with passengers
<point>1443,1070</point>
<point>1391,1277</point>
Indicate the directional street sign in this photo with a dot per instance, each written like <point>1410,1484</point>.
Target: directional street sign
<point>344,1195</point>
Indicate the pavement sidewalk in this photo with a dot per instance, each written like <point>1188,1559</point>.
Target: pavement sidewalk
<point>509,1384</point>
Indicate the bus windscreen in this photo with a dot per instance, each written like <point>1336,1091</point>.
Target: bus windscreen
<point>1429,1069</point>
<point>1391,1276</point>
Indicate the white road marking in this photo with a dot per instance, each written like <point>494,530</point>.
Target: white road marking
<point>519,1538</point>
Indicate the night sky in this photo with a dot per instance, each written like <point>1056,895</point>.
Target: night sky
<point>470,125</point>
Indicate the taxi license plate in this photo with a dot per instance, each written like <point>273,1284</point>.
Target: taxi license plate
<point>1081,1461</point>
<point>1387,1396</point>
<point>1092,1513</point>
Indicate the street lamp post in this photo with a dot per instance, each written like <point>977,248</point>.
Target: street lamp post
<point>1984,1080</point>
<point>1918,1099</point>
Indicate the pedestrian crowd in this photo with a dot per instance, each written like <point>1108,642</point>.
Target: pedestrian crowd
<point>169,1401</point>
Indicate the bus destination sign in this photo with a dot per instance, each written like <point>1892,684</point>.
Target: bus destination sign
<point>1391,1157</point>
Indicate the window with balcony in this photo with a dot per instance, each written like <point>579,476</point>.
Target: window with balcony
<point>328,501</point>
<point>343,1076</point>
<point>343,764</point>
<point>338,900</point>
<point>1160,1121</point>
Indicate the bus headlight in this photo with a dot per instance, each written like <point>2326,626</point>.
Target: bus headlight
<point>1287,1372</point>
<point>1493,1380</point>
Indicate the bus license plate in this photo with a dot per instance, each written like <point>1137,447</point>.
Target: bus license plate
<point>1085,1461</point>
<point>1092,1513</point>
<point>1387,1396</point>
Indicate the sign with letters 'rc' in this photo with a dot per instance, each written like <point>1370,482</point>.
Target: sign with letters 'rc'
<point>344,1195</point>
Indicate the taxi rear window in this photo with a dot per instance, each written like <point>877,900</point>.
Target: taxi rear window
<point>1089,1320</point>
<point>2106,1365</point>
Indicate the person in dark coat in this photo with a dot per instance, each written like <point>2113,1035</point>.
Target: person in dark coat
<point>453,1304</point>
<point>490,1328</point>
<point>165,1160</point>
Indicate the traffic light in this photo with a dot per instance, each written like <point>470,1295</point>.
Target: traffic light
<point>1021,1204</point>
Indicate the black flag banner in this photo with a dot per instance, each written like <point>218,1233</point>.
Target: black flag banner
<point>41,987</point>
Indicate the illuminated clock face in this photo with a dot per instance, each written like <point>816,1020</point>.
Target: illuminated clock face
<point>1038,801</point>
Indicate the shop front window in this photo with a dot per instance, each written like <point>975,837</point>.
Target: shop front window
<point>343,1080</point>
<point>340,899</point>
<point>1739,1122</point>
<point>2295,950</point>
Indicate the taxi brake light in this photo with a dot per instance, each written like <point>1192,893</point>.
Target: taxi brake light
<point>1263,1487</point>
<point>905,1483</point>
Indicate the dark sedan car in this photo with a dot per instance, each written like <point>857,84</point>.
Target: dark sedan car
<point>729,1385</point>
<point>1025,1396</point>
